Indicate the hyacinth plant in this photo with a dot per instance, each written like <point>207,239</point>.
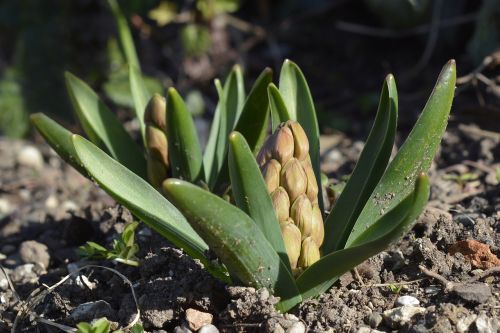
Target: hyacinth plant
<point>253,202</point>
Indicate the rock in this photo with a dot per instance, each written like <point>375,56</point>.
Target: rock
<point>182,329</point>
<point>375,319</point>
<point>4,283</point>
<point>407,300</point>
<point>367,330</point>
<point>196,319</point>
<point>30,157</point>
<point>33,252</point>
<point>297,327</point>
<point>477,253</point>
<point>473,292</point>
<point>51,202</point>
<point>263,294</point>
<point>90,310</point>
<point>464,323</point>
<point>24,274</point>
<point>208,329</point>
<point>5,207</point>
<point>278,329</point>
<point>401,315</point>
<point>487,325</point>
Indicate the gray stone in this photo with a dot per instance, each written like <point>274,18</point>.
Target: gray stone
<point>407,300</point>
<point>487,325</point>
<point>297,327</point>
<point>182,329</point>
<point>90,310</point>
<point>375,319</point>
<point>473,292</point>
<point>209,329</point>
<point>464,323</point>
<point>33,252</point>
<point>402,315</point>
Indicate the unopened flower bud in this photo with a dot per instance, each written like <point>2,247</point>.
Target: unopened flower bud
<point>156,112</point>
<point>271,173</point>
<point>301,143</point>
<point>309,253</point>
<point>283,145</point>
<point>301,213</point>
<point>317,228</point>
<point>281,204</point>
<point>293,178</point>
<point>292,239</point>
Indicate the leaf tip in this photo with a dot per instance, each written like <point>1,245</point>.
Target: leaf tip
<point>234,136</point>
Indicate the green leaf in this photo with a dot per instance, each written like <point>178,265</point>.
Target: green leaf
<point>251,195</point>
<point>368,171</point>
<point>254,118</point>
<point>101,326</point>
<point>183,144</point>
<point>102,126</point>
<point>59,139</point>
<point>83,328</point>
<point>298,100</point>
<point>235,239</point>
<point>142,200</point>
<point>279,112</point>
<point>140,95</point>
<point>386,230</point>
<point>416,154</point>
<point>126,40</point>
<point>210,161</point>
<point>253,121</point>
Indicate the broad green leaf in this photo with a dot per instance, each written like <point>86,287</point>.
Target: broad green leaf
<point>279,112</point>
<point>235,239</point>
<point>209,156</point>
<point>140,95</point>
<point>252,123</point>
<point>126,40</point>
<point>251,195</point>
<point>386,230</point>
<point>416,154</point>
<point>183,144</point>
<point>142,200</point>
<point>368,171</point>
<point>102,126</point>
<point>298,100</point>
<point>59,139</point>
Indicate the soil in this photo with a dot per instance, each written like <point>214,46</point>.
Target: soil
<point>47,210</point>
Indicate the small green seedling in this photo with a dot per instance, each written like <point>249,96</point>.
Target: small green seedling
<point>103,325</point>
<point>123,251</point>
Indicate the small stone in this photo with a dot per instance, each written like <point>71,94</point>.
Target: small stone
<point>24,274</point>
<point>407,300</point>
<point>473,292</point>
<point>196,319</point>
<point>30,157</point>
<point>374,319</point>
<point>263,295</point>
<point>432,290</point>
<point>364,329</point>
<point>208,329</point>
<point>464,323</point>
<point>487,325</point>
<point>90,310</point>
<point>51,202</point>
<point>297,327</point>
<point>278,328</point>
<point>401,315</point>
<point>4,283</point>
<point>5,207</point>
<point>69,206</point>
<point>182,329</point>
<point>35,253</point>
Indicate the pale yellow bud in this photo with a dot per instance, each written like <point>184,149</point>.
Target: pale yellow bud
<point>281,204</point>
<point>283,145</point>
<point>292,239</point>
<point>317,229</point>
<point>271,174</point>
<point>301,213</point>
<point>301,143</point>
<point>309,253</point>
<point>293,178</point>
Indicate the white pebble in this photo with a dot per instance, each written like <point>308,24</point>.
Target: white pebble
<point>407,300</point>
<point>5,207</point>
<point>51,202</point>
<point>208,329</point>
<point>31,157</point>
<point>297,327</point>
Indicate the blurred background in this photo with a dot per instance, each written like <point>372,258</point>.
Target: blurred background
<point>345,49</point>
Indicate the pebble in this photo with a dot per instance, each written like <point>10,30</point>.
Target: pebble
<point>208,329</point>
<point>487,325</point>
<point>407,300</point>
<point>4,284</point>
<point>401,315</point>
<point>5,207</point>
<point>51,202</point>
<point>464,323</point>
<point>263,294</point>
<point>432,290</point>
<point>89,310</point>
<point>69,206</point>
<point>368,330</point>
<point>33,252</point>
<point>278,329</point>
<point>297,327</point>
<point>182,329</point>
<point>24,274</point>
<point>473,292</point>
<point>197,319</point>
<point>374,319</point>
<point>31,157</point>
